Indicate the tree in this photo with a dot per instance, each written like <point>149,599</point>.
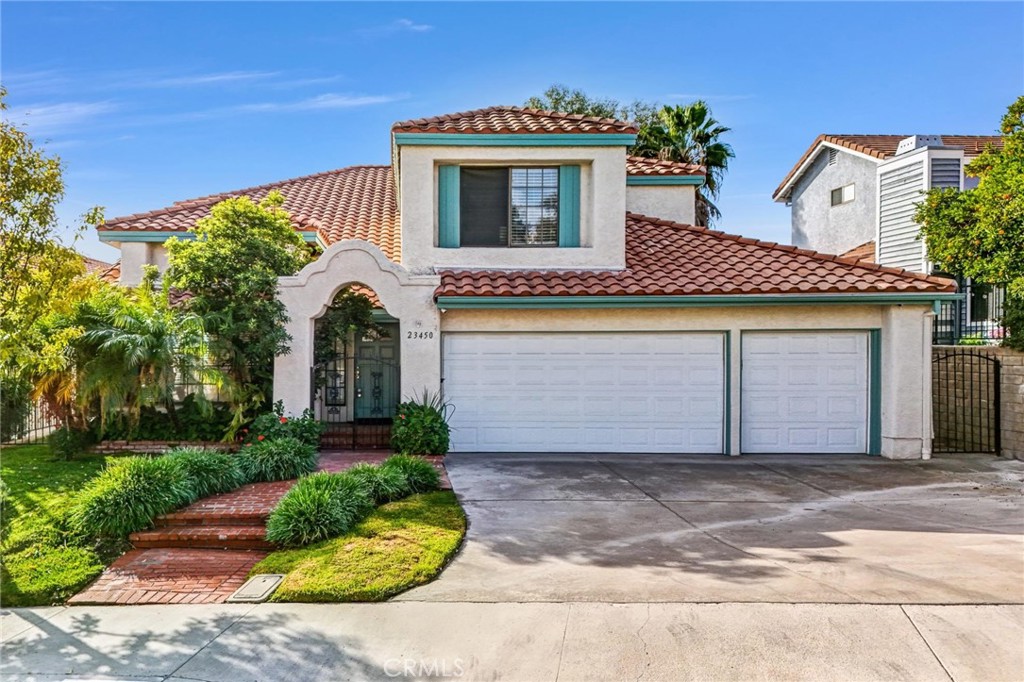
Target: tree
<point>687,134</point>
<point>690,134</point>
<point>34,265</point>
<point>979,233</point>
<point>563,100</point>
<point>231,270</point>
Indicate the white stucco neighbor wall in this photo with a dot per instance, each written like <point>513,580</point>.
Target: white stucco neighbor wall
<point>136,254</point>
<point>905,354</point>
<point>602,208</point>
<point>409,298</point>
<point>668,202</point>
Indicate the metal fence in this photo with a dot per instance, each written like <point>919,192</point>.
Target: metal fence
<point>966,401</point>
<point>33,427</point>
<point>975,319</point>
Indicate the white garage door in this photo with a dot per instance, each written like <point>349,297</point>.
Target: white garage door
<point>805,392</point>
<point>597,392</point>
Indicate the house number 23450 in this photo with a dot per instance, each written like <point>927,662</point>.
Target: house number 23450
<point>420,335</point>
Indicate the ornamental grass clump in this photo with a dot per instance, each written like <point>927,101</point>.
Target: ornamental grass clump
<point>277,460</point>
<point>320,506</point>
<point>127,495</point>
<point>209,471</point>
<point>385,484</point>
<point>419,474</point>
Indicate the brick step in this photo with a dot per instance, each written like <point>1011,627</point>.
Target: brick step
<point>227,517</point>
<point>203,537</point>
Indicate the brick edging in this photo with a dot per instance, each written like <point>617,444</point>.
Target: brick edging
<point>157,447</point>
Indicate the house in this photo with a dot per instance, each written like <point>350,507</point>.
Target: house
<point>555,290</point>
<point>855,195</point>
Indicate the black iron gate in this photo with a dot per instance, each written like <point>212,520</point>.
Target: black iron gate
<point>965,401</point>
<point>355,398</point>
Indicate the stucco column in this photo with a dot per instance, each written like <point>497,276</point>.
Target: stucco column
<point>904,391</point>
<point>291,371</point>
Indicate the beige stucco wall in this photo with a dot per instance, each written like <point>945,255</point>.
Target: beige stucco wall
<point>905,358</point>
<point>408,298</point>
<point>602,208</point>
<point>136,254</point>
<point>668,202</point>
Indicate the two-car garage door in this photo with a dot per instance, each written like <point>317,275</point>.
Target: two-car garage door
<point>595,392</point>
<point>655,392</point>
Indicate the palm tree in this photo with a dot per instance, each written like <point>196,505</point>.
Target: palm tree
<point>689,134</point>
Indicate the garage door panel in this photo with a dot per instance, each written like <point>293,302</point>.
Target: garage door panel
<point>642,392</point>
<point>817,401</point>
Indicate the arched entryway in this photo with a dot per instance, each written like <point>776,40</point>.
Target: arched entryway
<point>360,377</point>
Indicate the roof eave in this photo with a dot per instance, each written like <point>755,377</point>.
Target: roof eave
<point>783,191</point>
<point>695,301</point>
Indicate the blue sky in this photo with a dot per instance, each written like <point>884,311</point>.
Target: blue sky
<point>150,103</point>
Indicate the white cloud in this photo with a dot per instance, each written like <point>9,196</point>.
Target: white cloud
<point>199,79</point>
<point>395,27</point>
<point>326,101</point>
<point>58,117</point>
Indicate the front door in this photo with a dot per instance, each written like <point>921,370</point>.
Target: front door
<point>376,370</point>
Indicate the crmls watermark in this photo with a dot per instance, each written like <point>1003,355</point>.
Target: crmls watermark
<point>424,667</point>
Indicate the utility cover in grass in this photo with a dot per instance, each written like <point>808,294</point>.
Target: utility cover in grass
<point>399,546</point>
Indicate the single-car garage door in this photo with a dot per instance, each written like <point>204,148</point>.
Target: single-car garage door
<point>593,392</point>
<point>804,392</point>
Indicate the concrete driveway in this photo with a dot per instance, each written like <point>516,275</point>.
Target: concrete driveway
<point>778,529</point>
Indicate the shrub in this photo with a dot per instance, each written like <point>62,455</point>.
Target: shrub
<point>15,406</point>
<point>66,442</point>
<point>318,507</point>
<point>421,428</point>
<point>197,419</point>
<point>210,472</point>
<point>5,493</point>
<point>277,460</point>
<point>419,474</point>
<point>274,426</point>
<point>385,484</point>
<point>128,494</point>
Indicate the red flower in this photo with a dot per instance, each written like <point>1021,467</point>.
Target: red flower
<point>401,416</point>
<point>284,420</point>
<point>260,438</point>
<point>245,430</point>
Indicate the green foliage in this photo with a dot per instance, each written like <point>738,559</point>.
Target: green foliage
<point>15,406</point>
<point>35,266</point>
<point>231,270</point>
<point>421,428</point>
<point>277,460</point>
<point>351,313</point>
<point>129,494</point>
<point>979,233</point>
<point>398,546</point>
<point>318,507</point>
<point>419,474</point>
<point>275,426</point>
<point>67,442</point>
<point>385,484</point>
<point>209,472</point>
<point>562,99</point>
<point>972,340</point>
<point>690,134</point>
<point>197,420</point>
<point>1013,320</point>
<point>42,562</point>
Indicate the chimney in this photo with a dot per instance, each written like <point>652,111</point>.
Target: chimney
<point>909,144</point>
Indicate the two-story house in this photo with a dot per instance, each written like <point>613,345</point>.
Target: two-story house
<point>856,195</point>
<point>556,292</point>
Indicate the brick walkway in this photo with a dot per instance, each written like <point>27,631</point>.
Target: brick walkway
<point>202,553</point>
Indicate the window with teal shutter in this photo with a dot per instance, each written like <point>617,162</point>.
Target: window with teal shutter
<point>569,206</point>
<point>448,207</point>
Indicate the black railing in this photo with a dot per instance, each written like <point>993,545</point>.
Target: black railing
<point>965,402</point>
<point>355,398</point>
<point>976,319</point>
<point>30,426</point>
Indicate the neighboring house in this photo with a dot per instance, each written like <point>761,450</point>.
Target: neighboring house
<point>855,195</point>
<point>556,292</point>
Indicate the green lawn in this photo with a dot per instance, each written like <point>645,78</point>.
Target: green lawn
<point>400,545</point>
<point>39,562</point>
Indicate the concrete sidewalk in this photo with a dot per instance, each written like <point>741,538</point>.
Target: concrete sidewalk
<point>530,642</point>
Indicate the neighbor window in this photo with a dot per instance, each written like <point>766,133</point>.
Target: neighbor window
<point>508,206</point>
<point>842,195</point>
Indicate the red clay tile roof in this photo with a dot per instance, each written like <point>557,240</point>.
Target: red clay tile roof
<point>638,165</point>
<point>111,274</point>
<point>864,252</point>
<point>504,120</point>
<point>95,266</point>
<point>884,146</point>
<point>668,259</point>
<point>357,202</point>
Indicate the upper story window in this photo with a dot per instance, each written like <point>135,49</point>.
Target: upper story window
<point>842,195</point>
<point>508,206</point>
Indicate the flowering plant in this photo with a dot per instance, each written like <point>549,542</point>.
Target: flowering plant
<point>421,427</point>
<point>275,426</point>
